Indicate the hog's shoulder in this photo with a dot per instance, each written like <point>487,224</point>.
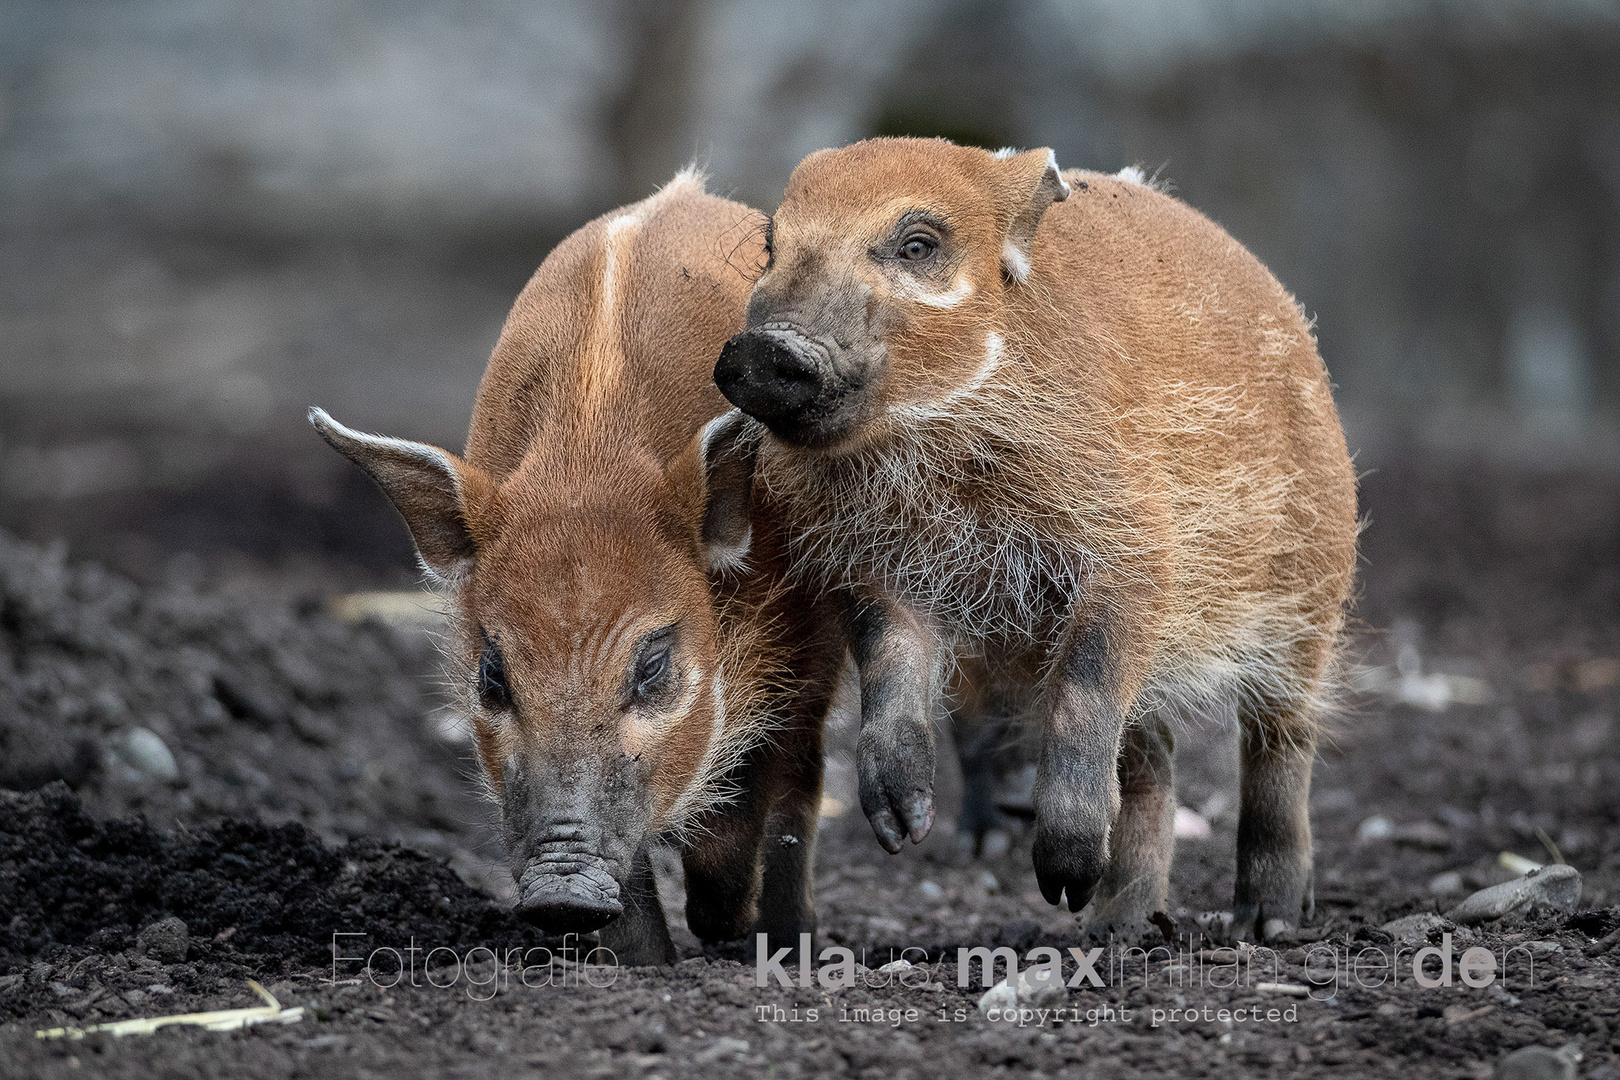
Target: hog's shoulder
<point>621,324</point>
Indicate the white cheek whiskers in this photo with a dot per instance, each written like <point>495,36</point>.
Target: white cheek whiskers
<point>995,351</point>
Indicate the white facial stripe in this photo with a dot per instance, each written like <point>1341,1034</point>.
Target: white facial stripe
<point>644,725</point>
<point>995,350</point>
<point>911,290</point>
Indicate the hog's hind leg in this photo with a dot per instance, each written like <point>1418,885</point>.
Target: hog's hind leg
<point>1274,862</point>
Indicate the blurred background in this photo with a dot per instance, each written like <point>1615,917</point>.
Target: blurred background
<point>213,214</point>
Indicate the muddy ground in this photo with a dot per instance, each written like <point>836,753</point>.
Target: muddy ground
<point>325,742</point>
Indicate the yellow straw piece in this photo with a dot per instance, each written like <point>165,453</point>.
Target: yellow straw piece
<point>223,1020</point>
<point>1517,863</point>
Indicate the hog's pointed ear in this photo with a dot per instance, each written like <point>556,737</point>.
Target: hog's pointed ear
<point>1031,182</point>
<point>727,449</point>
<point>442,498</point>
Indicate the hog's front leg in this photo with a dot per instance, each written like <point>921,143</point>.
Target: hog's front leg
<point>899,658</point>
<point>787,905</point>
<point>722,860</point>
<point>640,936</point>
<point>1077,789</point>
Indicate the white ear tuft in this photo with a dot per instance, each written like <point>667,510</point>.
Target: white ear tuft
<point>727,449</point>
<point>1031,183</point>
<point>1052,167</point>
<point>1014,263</point>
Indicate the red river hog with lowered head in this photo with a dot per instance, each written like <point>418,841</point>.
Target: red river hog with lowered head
<point>634,663</point>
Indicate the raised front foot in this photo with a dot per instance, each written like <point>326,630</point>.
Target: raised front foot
<point>1071,848</point>
<point>895,767</point>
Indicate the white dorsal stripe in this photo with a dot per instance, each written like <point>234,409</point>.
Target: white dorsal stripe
<point>607,353</point>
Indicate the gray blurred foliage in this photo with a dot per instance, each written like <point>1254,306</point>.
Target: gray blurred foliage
<point>214,213</point>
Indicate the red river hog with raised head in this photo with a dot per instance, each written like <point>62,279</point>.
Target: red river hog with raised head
<point>1062,429</point>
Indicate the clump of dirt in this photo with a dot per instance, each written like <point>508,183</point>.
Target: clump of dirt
<point>255,896</point>
<point>191,707</point>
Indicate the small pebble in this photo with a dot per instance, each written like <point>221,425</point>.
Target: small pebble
<point>147,753</point>
<point>1414,929</point>
<point>1191,825</point>
<point>1422,834</point>
<point>1447,883</point>
<point>1374,828</point>
<point>1555,886</point>
<point>1539,1063</point>
<point>1037,988</point>
<point>931,891</point>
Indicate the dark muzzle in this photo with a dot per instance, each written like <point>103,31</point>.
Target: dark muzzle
<point>776,377</point>
<point>573,896</point>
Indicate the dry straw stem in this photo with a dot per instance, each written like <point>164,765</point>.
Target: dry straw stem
<point>222,1020</point>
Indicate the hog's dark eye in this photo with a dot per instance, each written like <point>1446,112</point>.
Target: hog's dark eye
<point>652,673</point>
<point>493,690</point>
<point>918,247</point>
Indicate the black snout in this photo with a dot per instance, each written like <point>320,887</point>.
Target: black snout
<point>568,903</point>
<point>566,914</point>
<point>773,376</point>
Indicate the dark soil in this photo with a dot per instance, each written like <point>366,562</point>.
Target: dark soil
<point>266,709</point>
<point>1508,577</point>
<point>253,896</point>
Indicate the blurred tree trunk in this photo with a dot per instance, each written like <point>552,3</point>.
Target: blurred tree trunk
<point>649,121</point>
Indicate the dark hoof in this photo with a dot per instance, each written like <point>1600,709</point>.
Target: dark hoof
<point>897,789</point>
<point>1069,862</point>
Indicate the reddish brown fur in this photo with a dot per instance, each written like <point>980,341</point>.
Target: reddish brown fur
<point>1151,477</point>
<point>573,527</point>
